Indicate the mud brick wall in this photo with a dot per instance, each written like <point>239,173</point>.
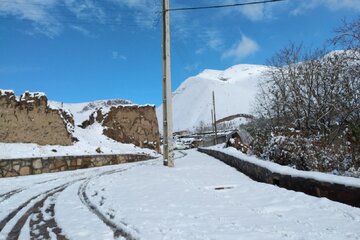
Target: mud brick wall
<point>30,166</point>
<point>132,124</point>
<point>30,120</point>
<point>333,191</point>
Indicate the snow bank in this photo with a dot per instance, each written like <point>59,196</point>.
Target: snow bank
<point>284,170</point>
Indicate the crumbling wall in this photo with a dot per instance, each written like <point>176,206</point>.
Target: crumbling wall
<point>133,124</point>
<point>29,119</point>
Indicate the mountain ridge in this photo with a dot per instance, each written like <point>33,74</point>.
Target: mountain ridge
<point>235,89</point>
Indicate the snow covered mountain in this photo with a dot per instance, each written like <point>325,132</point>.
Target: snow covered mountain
<point>234,88</point>
<point>82,111</point>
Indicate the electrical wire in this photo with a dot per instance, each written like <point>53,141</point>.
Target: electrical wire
<point>222,6</point>
<point>62,17</point>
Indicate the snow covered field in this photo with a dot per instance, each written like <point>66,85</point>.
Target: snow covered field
<point>201,198</point>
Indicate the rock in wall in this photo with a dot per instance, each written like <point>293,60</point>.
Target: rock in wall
<point>133,124</point>
<point>29,119</point>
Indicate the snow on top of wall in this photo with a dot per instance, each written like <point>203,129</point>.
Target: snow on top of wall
<point>32,95</point>
<point>285,170</point>
<point>22,97</point>
<point>5,91</point>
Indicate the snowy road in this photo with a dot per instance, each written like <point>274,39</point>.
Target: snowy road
<point>201,198</point>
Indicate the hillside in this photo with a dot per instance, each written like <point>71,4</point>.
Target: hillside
<point>235,90</point>
<point>82,111</point>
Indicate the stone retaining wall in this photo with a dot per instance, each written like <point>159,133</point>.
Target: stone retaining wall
<point>333,191</point>
<point>30,166</point>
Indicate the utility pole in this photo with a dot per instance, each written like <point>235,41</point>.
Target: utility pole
<point>215,128</point>
<point>167,98</point>
<point>212,123</point>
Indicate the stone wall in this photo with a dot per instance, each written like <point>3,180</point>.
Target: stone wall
<point>333,191</point>
<point>30,120</point>
<point>129,124</point>
<point>30,166</point>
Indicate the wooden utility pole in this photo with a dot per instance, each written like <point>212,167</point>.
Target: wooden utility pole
<point>167,101</point>
<point>215,128</point>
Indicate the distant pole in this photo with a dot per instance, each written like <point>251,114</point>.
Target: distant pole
<point>167,101</point>
<point>215,128</point>
<point>212,123</point>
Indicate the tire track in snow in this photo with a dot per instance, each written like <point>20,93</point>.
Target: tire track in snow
<point>118,231</point>
<point>184,154</point>
<point>15,231</point>
<point>36,207</point>
<point>42,227</point>
<point>12,214</point>
<point>8,195</point>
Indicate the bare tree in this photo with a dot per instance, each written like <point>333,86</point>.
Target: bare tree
<point>315,95</point>
<point>347,36</point>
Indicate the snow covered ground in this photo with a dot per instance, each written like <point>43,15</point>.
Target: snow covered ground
<point>90,139</point>
<point>201,198</point>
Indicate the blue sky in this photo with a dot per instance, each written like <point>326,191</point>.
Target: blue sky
<point>84,50</point>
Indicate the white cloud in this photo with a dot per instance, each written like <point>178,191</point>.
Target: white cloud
<point>41,14</point>
<point>214,40</point>
<point>85,9</point>
<point>82,30</point>
<point>333,5</point>
<point>209,39</point>
<point>35,11</point>
<point>244,48</point>
<point>179,23</point>
<point>200,51</point>
<point>146,12</point>
<point>49,17</point>
<point>116,55</point>
<point>255,12</point>
<point>191,67</point>
<point>260,12</point>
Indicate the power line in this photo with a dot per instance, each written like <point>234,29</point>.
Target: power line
<point>223,6</point>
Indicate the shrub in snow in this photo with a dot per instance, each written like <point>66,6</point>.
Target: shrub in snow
<point>313,153</point>
<point>309,107</point>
